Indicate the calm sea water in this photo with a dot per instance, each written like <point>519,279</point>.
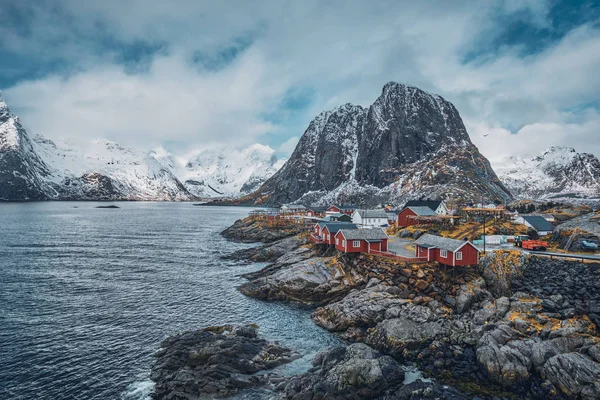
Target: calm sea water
<point>88,294</point>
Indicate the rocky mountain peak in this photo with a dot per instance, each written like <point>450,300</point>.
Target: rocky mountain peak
<point>5,113</point>
<point>352,149</point>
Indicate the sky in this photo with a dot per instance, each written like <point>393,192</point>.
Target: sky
<point>186,74</point>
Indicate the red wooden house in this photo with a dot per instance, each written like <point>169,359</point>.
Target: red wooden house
<point>404,217</point>
<point>361,240</point>
<point>324,232</point>
<point>344,209</point>
<point>446,251</point>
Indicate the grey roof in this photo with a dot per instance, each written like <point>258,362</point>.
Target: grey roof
<point>334,227</point>
<point>539,223</point>
<point>428,240</point>
<point>335,217</point>
<point>433,204</point>
<point>391,215</point>
<point>364,234</point>
<point>422,210</point>
<point>372,214</point>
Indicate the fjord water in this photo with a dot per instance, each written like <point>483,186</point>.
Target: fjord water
<point>88,294</point>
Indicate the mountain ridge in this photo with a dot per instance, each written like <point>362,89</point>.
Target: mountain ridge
<point>556,173</point>
<point>39,169</point>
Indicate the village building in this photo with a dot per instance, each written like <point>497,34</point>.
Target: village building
<point>446,251</point>
<point>293,209</point>
<point>372,240</point>
<point>370,218</point>
<point>438,206</point>
<point>347,209</point>
<point>337,218</point>
<point>406,217</point>
<point>316,212</point>
<point>324,232</point>
<point>536,222</point>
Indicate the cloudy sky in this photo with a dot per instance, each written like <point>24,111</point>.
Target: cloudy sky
<point>185,74</point>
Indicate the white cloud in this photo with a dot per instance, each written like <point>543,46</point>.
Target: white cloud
<point>286,148</point>
<point>344,52</point>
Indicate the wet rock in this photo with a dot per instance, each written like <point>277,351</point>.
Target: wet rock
<point>353,372</point>
<point>218,360</point>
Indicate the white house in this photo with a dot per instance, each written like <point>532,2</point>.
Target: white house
<point>370,218</point>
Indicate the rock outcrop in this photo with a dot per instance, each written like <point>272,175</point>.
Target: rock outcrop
<point>353,372</point>
<point>216,361</point>
<point>251,230</point>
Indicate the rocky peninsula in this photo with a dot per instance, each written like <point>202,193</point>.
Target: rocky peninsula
<point>516,327</point>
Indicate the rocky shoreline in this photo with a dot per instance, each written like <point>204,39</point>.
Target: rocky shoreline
<point>517,327</point>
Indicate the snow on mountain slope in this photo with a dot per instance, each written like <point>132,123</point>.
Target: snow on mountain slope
<point>559,172</point>
<point>39,169</point>
<point>223,171</point>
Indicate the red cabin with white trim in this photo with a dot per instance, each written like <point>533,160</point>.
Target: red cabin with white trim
<point>361,240</point>
<point>446,251</point>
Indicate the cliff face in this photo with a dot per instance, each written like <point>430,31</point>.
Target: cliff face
<point>409,143</point>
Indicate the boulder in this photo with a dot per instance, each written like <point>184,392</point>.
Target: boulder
<point>353,372</point>
<point>574,374</point>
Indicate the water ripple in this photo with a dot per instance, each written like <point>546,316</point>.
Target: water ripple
<point>88,294</point>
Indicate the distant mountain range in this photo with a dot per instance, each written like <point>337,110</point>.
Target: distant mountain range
<point>38,169</point>
<point>557,173</point>
<point>407,144</point>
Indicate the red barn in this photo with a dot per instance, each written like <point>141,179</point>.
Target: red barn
<point>325,231</point>
<point>361,240</point>
<point>446,251</point>
<point>404,215</point>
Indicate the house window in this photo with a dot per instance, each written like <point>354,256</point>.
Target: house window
<point>344,243</point>
<point>337,241</point>
<point>459,255</point>
<point>443,253</point>
<point>329,237</point>
<point>356,243</point>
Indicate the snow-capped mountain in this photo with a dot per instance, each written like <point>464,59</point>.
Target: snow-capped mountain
<point>222,171</point>
<point>408,144</point>
<point>559,172</point>
<point>39,169</point>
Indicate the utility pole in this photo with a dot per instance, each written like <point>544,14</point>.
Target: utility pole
<point>484,233</point>
<point>484,215</point>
